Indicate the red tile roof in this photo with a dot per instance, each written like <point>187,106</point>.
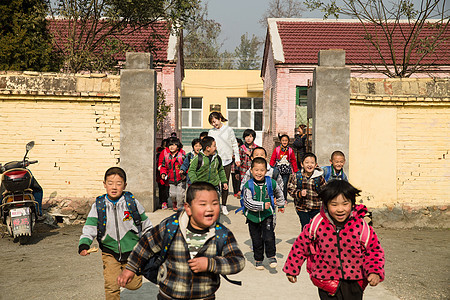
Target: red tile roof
<point>156,35</point>
<point>302,40</point>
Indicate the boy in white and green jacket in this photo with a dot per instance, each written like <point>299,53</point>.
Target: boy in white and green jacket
<point>120,232</point>
<point>259,211</point>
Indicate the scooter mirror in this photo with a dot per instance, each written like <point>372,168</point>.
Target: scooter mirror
<point>30,145</point>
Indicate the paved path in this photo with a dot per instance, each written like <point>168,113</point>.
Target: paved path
<point>267,284</point>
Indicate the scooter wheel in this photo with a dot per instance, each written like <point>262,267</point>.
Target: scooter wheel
<point>24,239</point>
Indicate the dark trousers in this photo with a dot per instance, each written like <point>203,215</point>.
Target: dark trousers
<point>163,193</point>
<point>285,182</point>
<point>225,192</point>
<point>263,238</point>
<point>306,216</point>
<point>348,290</point>
<point>236,182</point>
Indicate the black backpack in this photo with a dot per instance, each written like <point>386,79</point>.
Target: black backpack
<point>101,214</point>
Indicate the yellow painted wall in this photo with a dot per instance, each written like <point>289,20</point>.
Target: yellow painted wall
<point>400,141</point>
<point>214,86</point>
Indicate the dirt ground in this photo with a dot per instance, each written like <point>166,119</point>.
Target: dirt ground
<point>417,265</point>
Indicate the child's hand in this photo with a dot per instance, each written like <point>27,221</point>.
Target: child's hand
<point>303,193</point>
<point>274,200</point>
<point>225,186</point>
<point>281,210</point>
<point>84,253</point>
<point>267,205</point>
<point>198,264</point>
<point>163,176</point>
<point>237,176</point>
<point>291,278</point>
<point>125,277</point>
<point>373,279</point>
<point>238,163</point>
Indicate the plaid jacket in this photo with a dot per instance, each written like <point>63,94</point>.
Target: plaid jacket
<point>312,187</point>
<point>175,278</point>
<point>246,161</point>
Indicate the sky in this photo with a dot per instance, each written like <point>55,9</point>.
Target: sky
<point>240,16</point>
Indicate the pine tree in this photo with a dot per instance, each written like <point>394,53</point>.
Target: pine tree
<point>25,43</point>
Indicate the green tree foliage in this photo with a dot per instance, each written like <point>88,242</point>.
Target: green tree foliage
<point>201,41</point>
<point>24,41</point>
<point>94,25</point>
<point>282,9</point>
<point>412,33</point>
<point>247,53</point>
<point>162,109</point>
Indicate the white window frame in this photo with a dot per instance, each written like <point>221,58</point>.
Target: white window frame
<point>190,110</point>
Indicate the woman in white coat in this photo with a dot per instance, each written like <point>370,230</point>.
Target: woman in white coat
<point>227,146</point>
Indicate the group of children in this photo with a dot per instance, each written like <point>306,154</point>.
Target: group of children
<point>343,252</point>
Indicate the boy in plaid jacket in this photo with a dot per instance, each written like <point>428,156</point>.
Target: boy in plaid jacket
<point>192,267</point>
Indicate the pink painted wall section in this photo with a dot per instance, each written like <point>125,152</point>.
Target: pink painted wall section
<point>167,77</point>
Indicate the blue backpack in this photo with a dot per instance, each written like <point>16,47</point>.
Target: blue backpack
<point>151,267</point>
<point>101,214</point>
<point>251,186</point>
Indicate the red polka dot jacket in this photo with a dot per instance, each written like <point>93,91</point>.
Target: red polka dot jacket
<point>339,253</point>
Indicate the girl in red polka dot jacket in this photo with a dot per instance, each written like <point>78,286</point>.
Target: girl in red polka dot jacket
<point>343,253</point>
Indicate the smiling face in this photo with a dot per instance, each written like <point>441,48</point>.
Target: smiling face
<point>284,141</point>
<point>259,153</point>
<point>309,164</point>
<point>216,123</point>
<point>197,148</point>
<point>114,186</point>
<point>338,162</point>
<point>258,171</point>
<point>173,148</point>
<point>204,209</point>
<point>339,209</point>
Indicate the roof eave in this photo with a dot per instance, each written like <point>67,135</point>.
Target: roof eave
<point>275,39</point>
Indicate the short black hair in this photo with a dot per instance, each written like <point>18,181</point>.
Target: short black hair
<point>239,141</point>
<point>259,160</point>
<point>337,153</point>
<point>258,148</point>
<point>335,188</point>
<point>248,132</point>
<point>198,186</point>
<point>309,154</point>
<point>196,141</point>
<point>116,171</point>
<point>203,134</point>
<point>174,141</point>
<point>207,142</point>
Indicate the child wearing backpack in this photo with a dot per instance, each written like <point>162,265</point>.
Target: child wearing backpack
<point>336,170</point>
<point>343,251</point>
<point>196,147</point>
<point>273,173</point>
<point>245,151</point>
<point>211,248</point>
<point>304,186</point>
<point>259,209</point>
<point>283,157</point>
<point>170,171</point>
<point>207,166</point>
<point>102,224</point>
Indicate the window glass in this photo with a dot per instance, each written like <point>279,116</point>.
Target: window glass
<point>185,118</point>
<point>246,103</point>
<point>245,119</point>
<point>196,103</point>
<point>257,103</point>
<point>258,121</point>
<point>185,103</point>
<point>196,118</point>
<point>233,103</point>
<point>233,118</point>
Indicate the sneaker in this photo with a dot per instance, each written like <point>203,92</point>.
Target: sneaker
<point>225,210</point>
<point>164,205</point>
<point>273,262</point>
<point>259,265</point>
